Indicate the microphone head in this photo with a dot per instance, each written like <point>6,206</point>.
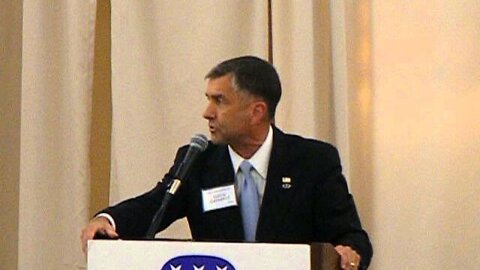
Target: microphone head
<point>199,141</point>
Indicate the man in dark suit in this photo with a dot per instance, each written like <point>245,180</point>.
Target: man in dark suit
<point>300,194</point>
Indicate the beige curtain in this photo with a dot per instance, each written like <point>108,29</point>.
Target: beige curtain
<point>425,125</point>
<point>301,53</point>
<point>410,74</point>
<point>57,68</point>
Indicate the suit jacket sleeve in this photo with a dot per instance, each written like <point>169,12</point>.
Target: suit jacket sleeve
<point>337,219</point>
<point>133,216</point>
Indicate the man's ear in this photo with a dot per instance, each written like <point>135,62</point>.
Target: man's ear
<point>259,112</point>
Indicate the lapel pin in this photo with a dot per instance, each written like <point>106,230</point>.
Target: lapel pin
<point>286,182</point>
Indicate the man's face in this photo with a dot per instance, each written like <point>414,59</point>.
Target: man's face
<point>228,112</point>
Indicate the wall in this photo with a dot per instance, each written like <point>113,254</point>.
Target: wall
<point>425,91</point>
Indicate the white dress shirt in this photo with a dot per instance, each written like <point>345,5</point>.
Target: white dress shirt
<point>259,162</point>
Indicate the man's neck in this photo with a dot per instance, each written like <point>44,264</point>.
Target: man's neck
<point>248,148</point>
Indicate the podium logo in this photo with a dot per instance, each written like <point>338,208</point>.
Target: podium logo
<point>197,262</point>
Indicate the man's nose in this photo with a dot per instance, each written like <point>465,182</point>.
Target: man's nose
<point>209,112</point>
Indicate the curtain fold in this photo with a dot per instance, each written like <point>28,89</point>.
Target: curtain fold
<point>302,56</point>
<point>57,67</point>
<point>10,95</point>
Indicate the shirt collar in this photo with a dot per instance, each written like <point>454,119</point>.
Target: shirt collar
<point>259,160</point>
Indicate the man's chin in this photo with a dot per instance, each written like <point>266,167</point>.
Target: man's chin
<point>216,140</point>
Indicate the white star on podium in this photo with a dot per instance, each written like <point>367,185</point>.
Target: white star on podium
<point>198,268</point>
<point>175,268</point>
<point>223,268</point>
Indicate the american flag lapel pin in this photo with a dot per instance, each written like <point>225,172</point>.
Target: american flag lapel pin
<point>286,182</point>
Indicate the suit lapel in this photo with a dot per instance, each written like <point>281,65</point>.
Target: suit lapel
<point>218,169</point>
<point>277,197</point>
<point>219,172</point>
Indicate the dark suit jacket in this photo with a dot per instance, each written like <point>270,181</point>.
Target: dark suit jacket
<point>316,208</point>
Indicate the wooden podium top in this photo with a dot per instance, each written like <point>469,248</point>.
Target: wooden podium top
<point>325,258</point>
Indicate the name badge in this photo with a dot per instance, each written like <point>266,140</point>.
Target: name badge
<point>218,198</point>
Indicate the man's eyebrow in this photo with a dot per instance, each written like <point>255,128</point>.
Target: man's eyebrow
<point>214,96</point>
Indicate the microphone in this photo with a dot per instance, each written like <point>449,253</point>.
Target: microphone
<point>198,144</point>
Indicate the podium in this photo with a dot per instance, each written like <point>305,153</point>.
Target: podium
<point>190,255</point>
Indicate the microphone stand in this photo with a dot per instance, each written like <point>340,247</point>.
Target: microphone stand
<point>158,217</point>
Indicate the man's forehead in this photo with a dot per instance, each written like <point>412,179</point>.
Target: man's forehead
<point>219,86</point>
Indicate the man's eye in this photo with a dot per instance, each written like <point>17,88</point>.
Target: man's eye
<point>218,100</point>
